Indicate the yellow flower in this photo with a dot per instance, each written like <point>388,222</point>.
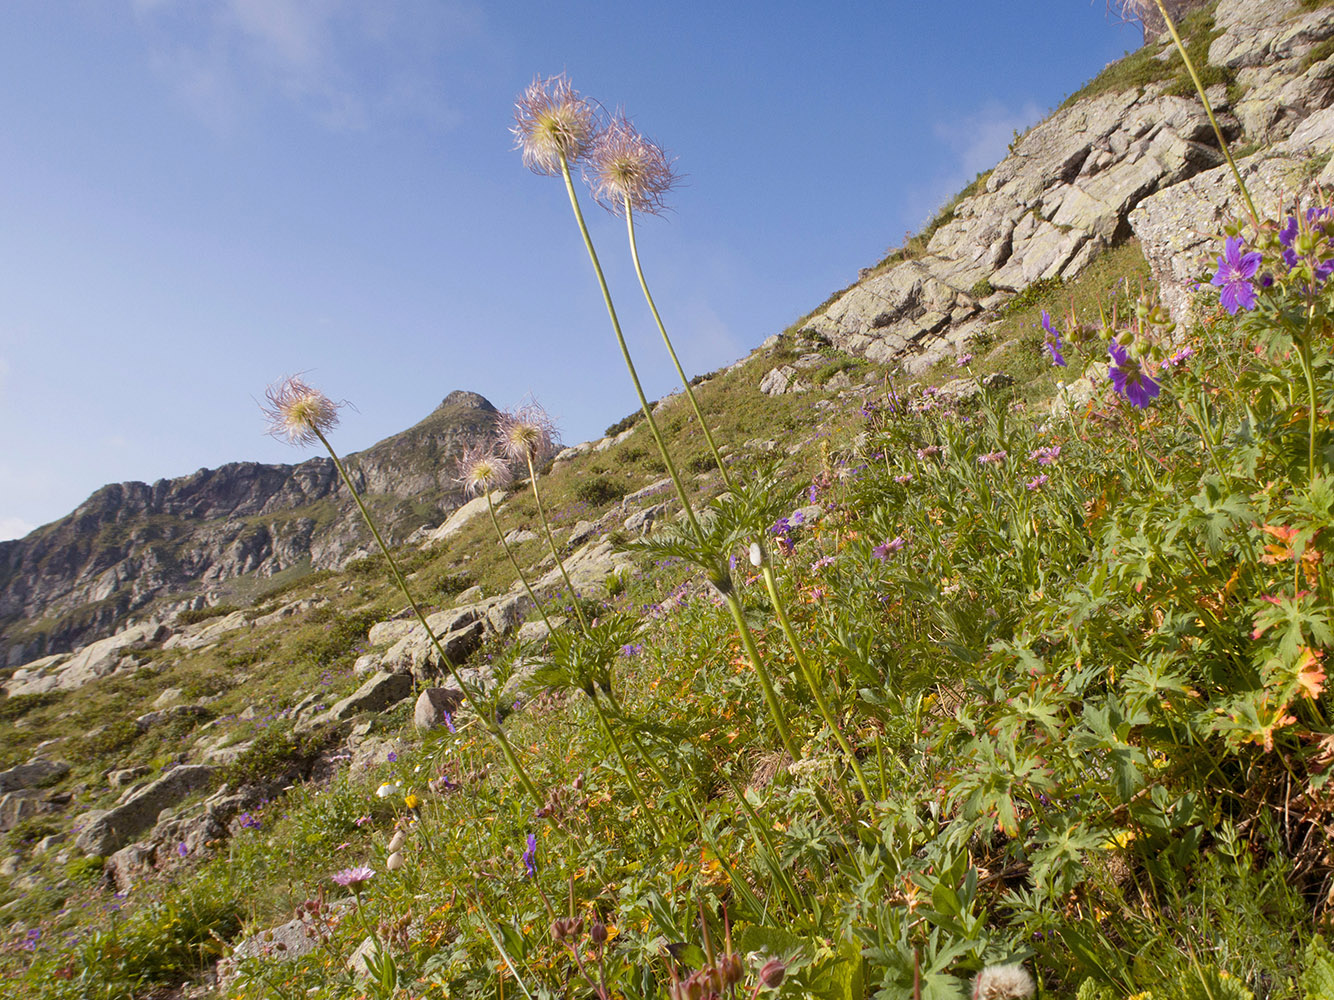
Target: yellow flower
<point>411,801</point>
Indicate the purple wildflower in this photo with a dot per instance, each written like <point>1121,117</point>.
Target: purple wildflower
<point>449,723</point>
<point>1235,270</point>
<point>392,756</point>
<point>182,850</point>
<point>797,517</point>
<point>1129,378</point>
<point>1045,456</point>
<point>530,856</point>
<point>1053,341</point>
<point>905,478</point>
<point>962,360</point>
<point>1178,358</point>
<point>1036,482</point>
<point>782,526</point>
<point>632,649</point>
<point>884,550</point>
<point>992,458</point>
<point>930,451</point>
<point>354,878</point>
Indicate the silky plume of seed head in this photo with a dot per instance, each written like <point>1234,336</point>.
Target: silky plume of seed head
<point>297,412</point>
<point>1003,982</point>
<point>481,470</point>
<point>625,165</point>
<point>526,434</point>
<point>552,121</point>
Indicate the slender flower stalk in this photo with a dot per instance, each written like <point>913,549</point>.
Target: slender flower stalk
<point>302,414</point>
<point>526,435</point>
<point>1209,110</point>
<point>770,584</point>
<point>481,471</point>
<point>529,107</point>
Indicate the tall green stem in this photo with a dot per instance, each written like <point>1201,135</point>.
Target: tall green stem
<point>551,541</point>
<point>625,352</point>
<point>812,681</point>
<point>625,765</point>
<point>492,726</point>
<point>733,604</point>
<point>657,318</point>
<point>495,522</point>
<point>1208,110</point>
<point>770,696</point>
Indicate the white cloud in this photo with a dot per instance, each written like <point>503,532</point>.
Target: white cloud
<point>13,527</point>
<point>977,141</point>
<point>344,62</point>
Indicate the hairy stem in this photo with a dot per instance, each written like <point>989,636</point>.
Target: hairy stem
<point>492,726</point>
<point>662,329</point>
<point>551,542</point>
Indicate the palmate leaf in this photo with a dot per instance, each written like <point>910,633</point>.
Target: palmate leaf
<point>1289,619</point>
<point>1318,978</point>
<point>1217,514</point>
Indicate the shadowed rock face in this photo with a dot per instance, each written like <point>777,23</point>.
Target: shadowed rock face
<point>131,544</point>
<point>1072,187</point>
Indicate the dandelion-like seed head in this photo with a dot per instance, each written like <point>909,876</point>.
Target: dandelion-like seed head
<point>552,122</point>
<point>627,165</point>
<point>1003,982</point>
<point>526,434</point>
<point>297,412</point>
<point>481,470</point>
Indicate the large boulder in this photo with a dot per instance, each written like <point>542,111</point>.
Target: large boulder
<point>103,832</point>
<point>1180,228</point>
<point>33,774</point>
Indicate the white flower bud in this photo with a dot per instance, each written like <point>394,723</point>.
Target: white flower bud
<point>397,841</point>
<point>756,555</point>
<point>394,862</point>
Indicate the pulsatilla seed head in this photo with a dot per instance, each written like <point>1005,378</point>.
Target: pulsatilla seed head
<point>552,122</point>
<point>625,165</point>
<point>481,470</point>
<point>297,412</point>
<point>526,434</point>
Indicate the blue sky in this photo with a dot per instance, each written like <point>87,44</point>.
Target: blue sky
<point>198,197</point>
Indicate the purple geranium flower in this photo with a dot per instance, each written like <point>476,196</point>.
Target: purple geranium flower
<point>530,856</point>
<point>1129,378</point>
<point>1235,271</point>
<point>1053,341</point>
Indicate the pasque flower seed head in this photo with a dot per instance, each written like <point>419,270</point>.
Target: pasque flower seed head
<point>552,122</point>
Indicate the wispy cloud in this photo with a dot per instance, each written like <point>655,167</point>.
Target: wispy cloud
<point>345,62</point>
<point>977,141</point>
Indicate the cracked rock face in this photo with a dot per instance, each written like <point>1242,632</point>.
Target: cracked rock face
<point>1142,163</point>
<point>1061,196</point>
<point>131,544</point>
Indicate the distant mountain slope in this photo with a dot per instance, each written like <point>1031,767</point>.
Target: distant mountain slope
<point>225,532</point>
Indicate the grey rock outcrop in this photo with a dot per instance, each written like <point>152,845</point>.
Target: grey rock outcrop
<point>131,544</point>
<point>33,774</point>
<point>105,831</point>
<point>1177,228</point>
<point>1059,198</point>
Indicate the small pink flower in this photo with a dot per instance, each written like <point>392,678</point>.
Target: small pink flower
<point>1037,482</point>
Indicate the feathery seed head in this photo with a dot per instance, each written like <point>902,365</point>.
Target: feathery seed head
<point>627,165</point>
<point>526,434</point>
<point>1003,982</point>
<point>481,470</point>
<point>297,412</point>
<point>552,121</point>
